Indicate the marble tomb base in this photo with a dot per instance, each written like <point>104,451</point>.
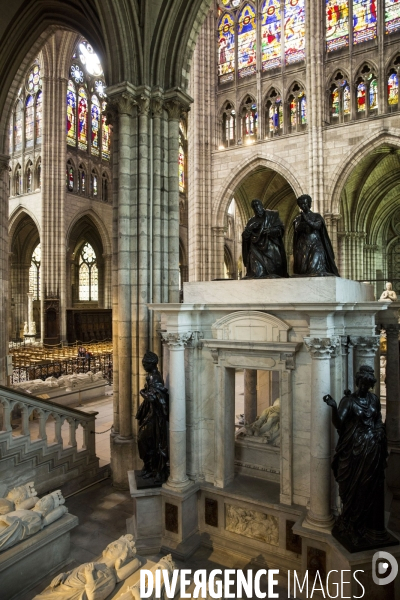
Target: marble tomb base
<point>26,563</point>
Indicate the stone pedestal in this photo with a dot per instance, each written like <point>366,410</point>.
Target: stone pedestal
<point>26,563</point>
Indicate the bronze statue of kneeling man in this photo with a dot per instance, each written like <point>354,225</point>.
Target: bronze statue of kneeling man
<point>262,244</point>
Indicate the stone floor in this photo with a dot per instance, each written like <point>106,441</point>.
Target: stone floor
<point>102,513</point>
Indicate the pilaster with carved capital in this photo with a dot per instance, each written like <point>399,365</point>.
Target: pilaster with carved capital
<point>322,348</point>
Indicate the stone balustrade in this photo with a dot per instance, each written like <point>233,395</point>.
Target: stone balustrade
<point>44,440</point>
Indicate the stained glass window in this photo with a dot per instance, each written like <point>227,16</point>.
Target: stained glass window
<point>275,113</point>
<point>95,189</point>
<point>18,127</point>
<point>229,125</point>
<point>34,81</point>
<point>226,48</point>
<point>39,106</point>
<point>88,274</point>
<point>82,180</point>
<point>364,20</point>
<point>293,112</point>
<point>82,119</point>
<point>250,122</point>
<point>392,15</point>
<point>18,180</point>
<point>29,178</point>
<point>34,273</point>
<point>393,89</point>
<point>346,99</point>
<point>70,177</point>
<point>271,34</point>
<point>77,74</point>
<point>303,109</point>
<point>361,91</point>
<point>105,135</point>
<point>335,104</point>
<point>247,41</point>
<point>373,94</point>
<point>294,31</point>
<point>39,173</point>
<point>104,189</point>
<point>181,165</point>
<point>337,24</point>
<point>29,121</point>
<point>89,59</point>
<point>95,123</point>
<point>99,86</point>
<point>71,114</point>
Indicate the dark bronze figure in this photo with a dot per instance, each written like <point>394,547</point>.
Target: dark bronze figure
<point>312,249</point>
<point>153,423</point>
<point>359,465</point>
<point>262,244</point>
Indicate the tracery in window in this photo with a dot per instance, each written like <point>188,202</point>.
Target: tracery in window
<point>228,125</point>
<point>339,99</point>
<point>226,48</point>
<point>34,273</point>
<point>38,118</point>
<point>392,15</point>
<point>34,80</point>
<point>71,114</point>
<point>95,125</point>
<point>18,127</point>
<point>247,34</point>
<point>105,135</point>
<point>271,47</point>
<point>294,31</point>
<point>274,114</point>
<point>337,24</point>
<point>364,20</point>
<point>29,121</point>
<point>82,119</point>
<point>89,58</point>
<point>88,274</point>
<point>70,176</point>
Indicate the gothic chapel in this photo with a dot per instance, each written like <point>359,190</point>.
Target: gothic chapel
<point>134,136</point>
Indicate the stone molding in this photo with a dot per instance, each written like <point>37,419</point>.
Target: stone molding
<point>177,339</point>
<point>322,348</point>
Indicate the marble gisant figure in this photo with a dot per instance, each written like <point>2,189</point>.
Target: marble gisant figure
<point>266,427</point>
<point>96,580</point>
<point>359,466</point>
<point>262,244</point>
<point>22,513</point>
<point>312,249</point>
<point>153,422</point>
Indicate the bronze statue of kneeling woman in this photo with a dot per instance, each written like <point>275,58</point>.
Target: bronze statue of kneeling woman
<point>359,466</point>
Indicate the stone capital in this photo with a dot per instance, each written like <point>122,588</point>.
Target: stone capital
<point>366,345</point>
<point>157,107</point>
<point>143,104</point>
<point>322,348</point>
<point>121,104</point>
<point>176,339</point>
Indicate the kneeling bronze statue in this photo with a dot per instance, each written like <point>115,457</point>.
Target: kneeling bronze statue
<point>153,423</point>
<point>359,466</point>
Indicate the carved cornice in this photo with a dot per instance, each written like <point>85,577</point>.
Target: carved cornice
<point>176,339</point>
<point>322,348</point>
<point>366,345</point>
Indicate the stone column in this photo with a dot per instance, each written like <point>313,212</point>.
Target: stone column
<point>31,322</point>
<point>365,352</point>
<point>250,395</point>
<point>319,514</point>
<point>107,295</point>
<point>4,258</point>
<point>178,479</point>
<point>392,385</point>
<point>219,240</point>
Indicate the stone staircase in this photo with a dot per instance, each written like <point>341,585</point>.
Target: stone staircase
<point>47,443</point>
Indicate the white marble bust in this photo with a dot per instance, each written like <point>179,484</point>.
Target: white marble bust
<point>389,294</point>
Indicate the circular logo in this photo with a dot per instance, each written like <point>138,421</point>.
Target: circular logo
<point>246,20</point>
<point>271,10</point>
<point>294,2</point>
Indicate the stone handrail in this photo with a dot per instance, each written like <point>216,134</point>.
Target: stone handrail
<point>17,442</point>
